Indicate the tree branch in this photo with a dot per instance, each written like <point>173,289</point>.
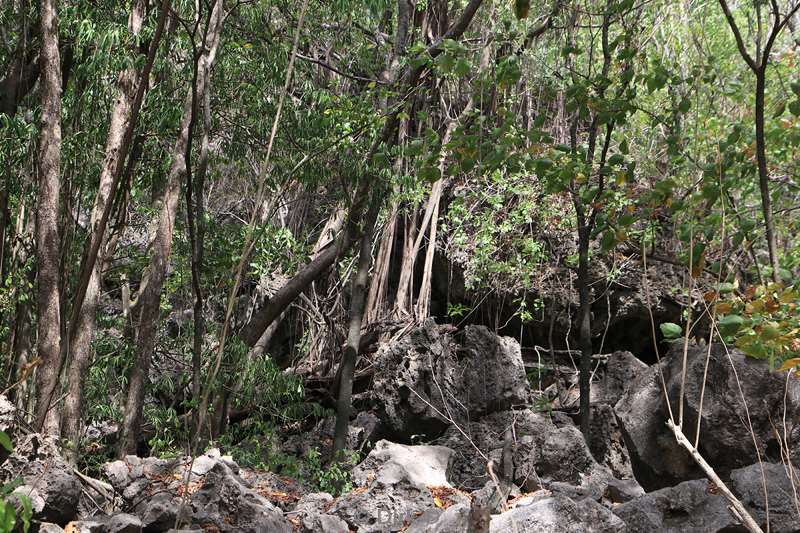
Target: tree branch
<point>738,35</point>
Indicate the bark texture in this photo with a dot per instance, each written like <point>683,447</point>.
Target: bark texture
<point>80,349</point>
<point>48,244</point>
<point>148,302</point>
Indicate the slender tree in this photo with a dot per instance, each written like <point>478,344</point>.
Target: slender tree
<point>149,300</point>
<point>758,64</point>
<point>80,339</point>
<point>48,243</point>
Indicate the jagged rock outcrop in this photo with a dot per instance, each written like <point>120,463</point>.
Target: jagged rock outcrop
<point>394,484</point>
<point>50,484</point>
<point>205,492</point>
<point>621,369</point>
<point>690,507</point>
<point>558,514</point>
<point>487,434</point>
<point>784,511</point>
<point>726,441</point>
<point>607,443</point>
<point>311,515</point>
<point>544,456</point>
<point>454,519</point>
<point>430,378</point>
<point>118,523</point>
<point>697,506</point>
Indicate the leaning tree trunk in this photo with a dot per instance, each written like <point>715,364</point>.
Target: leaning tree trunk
<point>149,301</point>
<point>80,349</point>
<point>48,243</point>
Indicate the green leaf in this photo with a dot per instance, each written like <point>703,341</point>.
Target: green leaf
<point>795,86</point>
<point>684,106</point>
<point>724,288</point>
<point>563,148</point>
<point>608,241</point>
<point>730,324</point>
<point>429,173</point>
<point>5,441</point>
<point>794,107</point>
<point>446,62</point>
<point>616,159</point>
<point>462,67</point>
<point>670,330</point>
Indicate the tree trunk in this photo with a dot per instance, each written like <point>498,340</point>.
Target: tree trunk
<point>585,325</point>
<point>80,342</point>
<point>196,227</point>
<point>19,81</point>
<point>763,175</point>
<point>48,244</point>
<point>150,299</point>
<point>281,300</point>
<point>349,355</point>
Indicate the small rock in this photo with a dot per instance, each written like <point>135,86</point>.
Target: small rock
<point>311,513</point>
<point>159,512</point>
<point>622,490</point>
<point>454,519</point>
<point>8,415</point>
<point>49,482</point>
<point>124,523</point>
<point>86,526</point>
<point>227,503</point>
<point>48,527</point>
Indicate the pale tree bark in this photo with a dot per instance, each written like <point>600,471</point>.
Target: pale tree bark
<point>360,283</point>
<point>407,77</point>
<point>380,278</point>
<point>148,302</point>
<point>423,305</point>
<point>80,342</point>
<point>48,243</point>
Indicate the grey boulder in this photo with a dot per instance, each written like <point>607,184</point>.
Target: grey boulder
<point>748,485</point>
<point>394,484</point>
<point>311,516</point>
<point>431,378</point>
<point>689,507</point>
<point>726,441</point>
<point>558,514</point>
<point>48,481</point>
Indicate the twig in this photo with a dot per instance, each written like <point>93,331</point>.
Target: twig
<point>740,510</point>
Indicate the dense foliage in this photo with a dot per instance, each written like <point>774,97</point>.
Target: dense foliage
<point>290,178</point>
